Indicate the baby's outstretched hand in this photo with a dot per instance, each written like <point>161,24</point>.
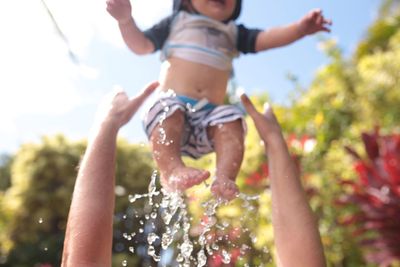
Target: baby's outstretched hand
<point>121,10</point>
<point>313,22</point>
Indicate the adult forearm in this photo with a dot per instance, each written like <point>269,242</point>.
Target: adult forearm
<point>134,38</point>
<point>89,228</point>
<point>296,233</point>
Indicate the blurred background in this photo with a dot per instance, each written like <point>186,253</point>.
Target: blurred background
<point>336,95</point>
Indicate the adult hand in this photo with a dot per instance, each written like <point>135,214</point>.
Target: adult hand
<point>297,240</point>
<point>118,109</point>
<point>314,22</point>
<point>88,242</point>
<point>121,10</point>
<point>266,123</point>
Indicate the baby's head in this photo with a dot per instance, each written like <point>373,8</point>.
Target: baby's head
<point>221,10</point>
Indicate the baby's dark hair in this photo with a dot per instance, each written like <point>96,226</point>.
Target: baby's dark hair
<point>183,5</point>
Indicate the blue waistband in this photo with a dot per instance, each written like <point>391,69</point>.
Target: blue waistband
<point>202,104</point>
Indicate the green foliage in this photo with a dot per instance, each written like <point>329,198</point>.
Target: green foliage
<point>5,171</point>
<point>345,99</point>
<point>33,211</point>
<point>42,181</point>
<point>381,31</point>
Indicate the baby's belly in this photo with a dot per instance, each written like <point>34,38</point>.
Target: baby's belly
<point>194,80</point>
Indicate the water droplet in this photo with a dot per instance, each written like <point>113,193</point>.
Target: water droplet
<point>179,258</point>
<point>201,258</point>
<point>253,238</point>
<point>166,239</point>
<point>226,257</point>
<point>152,252</point>
<point>127,236</point>
<point>186,248</point>
<point>134,198</point>
<point>214,246</point>
<point>151,238</point>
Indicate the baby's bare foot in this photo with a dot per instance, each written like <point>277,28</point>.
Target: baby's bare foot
<point>182,178</point>
<point>225,189</point>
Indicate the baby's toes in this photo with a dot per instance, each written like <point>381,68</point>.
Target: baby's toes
<point>200,176</point>
<point>215,189</point>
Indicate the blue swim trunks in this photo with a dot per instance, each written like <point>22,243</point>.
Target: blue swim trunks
<point>199,115</point>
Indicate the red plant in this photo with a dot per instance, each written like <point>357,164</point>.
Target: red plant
<point>256,178</point>
<point>376,193</point>
<point>216,260</point>
<point>301,145</point>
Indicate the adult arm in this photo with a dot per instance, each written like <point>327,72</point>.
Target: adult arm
<point>133,37</point>
<point>88,239</point>
<point>311,23</point>
<point>297,239</point>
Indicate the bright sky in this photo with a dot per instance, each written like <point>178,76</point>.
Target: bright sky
<point>43,92</point>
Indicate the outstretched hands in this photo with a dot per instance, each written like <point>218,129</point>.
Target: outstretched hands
<point>121,10</point>
<point>297,239</point>
<point>118,109</point>
<point>314,21</point>
<point>88,242</point>
<point>266,123</point>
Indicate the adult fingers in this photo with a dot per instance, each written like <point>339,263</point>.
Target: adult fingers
<point>248,105</point>
<point>147,90</point>
<point>258,118</point>
<point>138,100</point>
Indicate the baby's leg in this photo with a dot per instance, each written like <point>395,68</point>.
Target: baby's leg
<point>228,142</point>
<point>166,144</point>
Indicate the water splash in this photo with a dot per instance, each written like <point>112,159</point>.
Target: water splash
<point>226,257</point>
<point>152,253</point>
<point>171,208</point>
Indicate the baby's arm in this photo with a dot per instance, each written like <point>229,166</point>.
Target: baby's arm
<point>134,38</point>
<point>311,23</point>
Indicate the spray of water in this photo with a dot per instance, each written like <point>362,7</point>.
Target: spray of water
<point>176,220</point>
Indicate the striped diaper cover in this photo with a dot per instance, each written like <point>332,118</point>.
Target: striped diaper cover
<point>199,114</point>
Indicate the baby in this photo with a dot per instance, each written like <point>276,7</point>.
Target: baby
<point>198,43</point>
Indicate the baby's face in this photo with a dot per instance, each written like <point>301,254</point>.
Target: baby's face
<point>220,10</point>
